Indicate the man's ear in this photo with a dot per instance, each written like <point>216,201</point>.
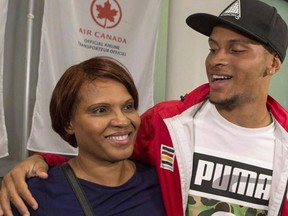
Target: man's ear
<point>276,64</point>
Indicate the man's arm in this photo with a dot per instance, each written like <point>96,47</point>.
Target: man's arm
<point>14,187</point>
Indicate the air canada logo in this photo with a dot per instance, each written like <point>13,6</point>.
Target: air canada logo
<point>106,13</point>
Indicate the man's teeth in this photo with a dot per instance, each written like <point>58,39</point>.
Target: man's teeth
<point>123,137</point>
<point>217,77</point>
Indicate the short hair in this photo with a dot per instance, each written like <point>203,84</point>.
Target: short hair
<point>65,96</point>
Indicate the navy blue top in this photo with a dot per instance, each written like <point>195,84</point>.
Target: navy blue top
<point>139,196</point>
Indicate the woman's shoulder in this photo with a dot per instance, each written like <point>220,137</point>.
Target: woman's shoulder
<point>54,182</point>
<point>146,172</point>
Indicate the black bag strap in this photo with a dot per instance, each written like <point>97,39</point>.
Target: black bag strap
<point>73,181</point>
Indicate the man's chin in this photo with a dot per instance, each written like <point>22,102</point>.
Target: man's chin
<point>228,103</point>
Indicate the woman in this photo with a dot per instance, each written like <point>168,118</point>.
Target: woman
<point>94,107</point>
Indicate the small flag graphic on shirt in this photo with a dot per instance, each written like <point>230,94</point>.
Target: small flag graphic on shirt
<point>167,157</point>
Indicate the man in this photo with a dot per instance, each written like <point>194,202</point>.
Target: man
<point>222,149</point>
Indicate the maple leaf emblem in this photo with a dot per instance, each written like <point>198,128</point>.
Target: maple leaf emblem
<point>106,12</point>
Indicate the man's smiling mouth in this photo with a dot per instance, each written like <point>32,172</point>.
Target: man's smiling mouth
<point>220,77</point>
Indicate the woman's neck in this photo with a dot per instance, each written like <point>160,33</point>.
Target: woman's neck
<point>108,174</point>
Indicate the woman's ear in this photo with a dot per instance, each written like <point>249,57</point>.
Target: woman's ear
<point>69,128</point>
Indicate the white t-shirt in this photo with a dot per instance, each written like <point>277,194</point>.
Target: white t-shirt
<point>232,166</point>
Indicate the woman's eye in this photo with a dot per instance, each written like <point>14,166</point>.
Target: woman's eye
<point>100,110</point>
<point>129,106</point>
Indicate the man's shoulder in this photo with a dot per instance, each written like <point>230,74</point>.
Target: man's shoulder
<point>173,107</point>
<point>278,112</point>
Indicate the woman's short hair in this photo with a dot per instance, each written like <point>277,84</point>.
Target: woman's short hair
<point>65,96</point>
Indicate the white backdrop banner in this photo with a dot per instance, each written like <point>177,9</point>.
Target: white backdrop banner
<point>3,133</point>
<point>73,31</point>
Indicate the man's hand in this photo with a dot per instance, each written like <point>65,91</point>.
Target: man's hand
<point>15,189</point>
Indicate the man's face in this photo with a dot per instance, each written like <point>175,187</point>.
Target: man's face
<point>236,68</point>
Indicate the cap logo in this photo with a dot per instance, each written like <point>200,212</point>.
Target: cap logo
<point>234,10</point>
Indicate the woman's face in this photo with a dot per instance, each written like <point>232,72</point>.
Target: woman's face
<point>105,122</point>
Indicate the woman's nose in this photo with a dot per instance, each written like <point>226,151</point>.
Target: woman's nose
<point>120,119</point>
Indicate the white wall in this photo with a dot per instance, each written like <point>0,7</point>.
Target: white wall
<point>14,74</point>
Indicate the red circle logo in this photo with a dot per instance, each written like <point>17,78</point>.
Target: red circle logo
<point>106,13</point>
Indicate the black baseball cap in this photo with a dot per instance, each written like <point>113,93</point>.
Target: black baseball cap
<point>253,18</point>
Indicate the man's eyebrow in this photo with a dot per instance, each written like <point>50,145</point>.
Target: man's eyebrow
<point>235,40</point>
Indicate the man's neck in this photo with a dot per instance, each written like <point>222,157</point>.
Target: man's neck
<point>249,117</point>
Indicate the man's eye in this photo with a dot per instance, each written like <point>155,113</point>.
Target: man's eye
<point>212,50</point>
<point>237,50</point>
